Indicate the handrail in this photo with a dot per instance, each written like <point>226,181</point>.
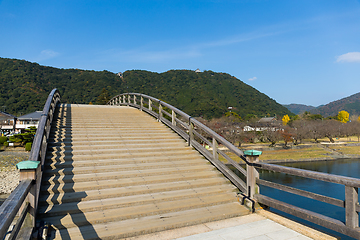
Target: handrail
<point>26,194</point>
<point>193,132</point>
<point>11,206</point>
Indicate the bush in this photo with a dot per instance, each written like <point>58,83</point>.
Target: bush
<point>3,139</point>
<point>6,144</point>
<point>28,146</point>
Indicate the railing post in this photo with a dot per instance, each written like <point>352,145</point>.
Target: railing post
<point>351,200</point>
<point>160,112</point>
<point>173,117</point>
<point>135,99</point>
<point>252,157</point>
<point>30,170</point>
<point>129,100</point>
<point>150,106</point>
<point>141,102</point>
<point>191,134</point>
<point>215,148</point>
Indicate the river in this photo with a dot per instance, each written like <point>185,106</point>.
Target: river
<point>344,167</point>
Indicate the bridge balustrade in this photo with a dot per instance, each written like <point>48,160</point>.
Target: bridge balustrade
<point>199,136</point>
<point>23,201</point>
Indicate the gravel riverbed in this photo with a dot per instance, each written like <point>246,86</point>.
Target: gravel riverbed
<point>9,175</point>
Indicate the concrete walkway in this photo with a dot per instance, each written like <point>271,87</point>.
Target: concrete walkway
<point>262,225</point>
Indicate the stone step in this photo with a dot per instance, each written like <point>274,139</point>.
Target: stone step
<point>76,196</point>
<point>115,141</point>
<point>61,163</point>
<point>120,166</point>
<point>137,211</point>
<point>119,155</point>
<point>132,200</point>
<point>112,136</point>
<point>117,149</point>
<point>91,138</point>
<point>119,145</point>
<point>150,224</point>
<point>69,177</point>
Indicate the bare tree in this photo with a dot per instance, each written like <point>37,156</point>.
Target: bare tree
<point>300,131</point>
<point>314,129</point>
<point>330,129</point>
<point>272,136</point>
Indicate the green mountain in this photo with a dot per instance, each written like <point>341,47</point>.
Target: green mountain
<point>25,87</point>
<point>298,108</point>
<point>350,104</point>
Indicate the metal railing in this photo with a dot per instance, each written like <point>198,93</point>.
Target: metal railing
<point>247,181</point>
<point>23,201</point>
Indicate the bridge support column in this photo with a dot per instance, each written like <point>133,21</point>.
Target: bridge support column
<point>252,157</point>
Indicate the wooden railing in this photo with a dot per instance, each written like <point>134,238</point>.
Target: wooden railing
<point>23,201</point>
<point>351,203</point>
<point>194,132</point>
<point>247,181</point>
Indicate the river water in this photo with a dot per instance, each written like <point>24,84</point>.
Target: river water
<point>344,167</point>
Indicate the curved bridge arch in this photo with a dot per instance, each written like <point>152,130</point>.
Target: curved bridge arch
<point>194,132</point>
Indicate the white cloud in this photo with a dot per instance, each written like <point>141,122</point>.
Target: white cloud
<point>47,54</point>
<point>252,79</point>
<point>349,57</point>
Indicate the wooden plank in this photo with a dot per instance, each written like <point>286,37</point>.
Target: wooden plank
<point>310,216</point>
<point>19,222</point>
<point>303,193</point>
<point>12,204</point>
<point>221,167</point>
<point>351,199</point>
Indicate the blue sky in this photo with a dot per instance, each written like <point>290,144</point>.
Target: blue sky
<point>294,51</point>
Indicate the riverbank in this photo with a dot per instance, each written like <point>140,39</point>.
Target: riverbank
<point>9,175</point>
<point>323,151</point>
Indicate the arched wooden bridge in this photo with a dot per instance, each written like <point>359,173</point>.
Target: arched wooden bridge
<point>137,166</point>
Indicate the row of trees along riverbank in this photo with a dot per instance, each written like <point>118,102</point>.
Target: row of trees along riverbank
<point>293,129</point>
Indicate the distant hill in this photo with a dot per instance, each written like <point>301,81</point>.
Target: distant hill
<point>350,104</point>
<point>298,108</point>
<point>25,87</point>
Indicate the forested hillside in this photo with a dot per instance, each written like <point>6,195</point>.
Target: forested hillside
<point>25,86</point>
<point>298,108</point>
<point>350,104</point>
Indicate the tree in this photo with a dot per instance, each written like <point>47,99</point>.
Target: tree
<point>103,98</point>
<point>285,119</point>
<point>287,135</point>
<point>233,116</point>
<point>314,129</point>
<point>343,116</point>
<point>272,136</point>
<point>301,130</point>
<point>330,129</point>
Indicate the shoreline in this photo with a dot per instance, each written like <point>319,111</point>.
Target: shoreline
<point>273,161</point>
<point>9,175</point>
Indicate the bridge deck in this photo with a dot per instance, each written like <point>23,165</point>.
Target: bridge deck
<point>115,172</point>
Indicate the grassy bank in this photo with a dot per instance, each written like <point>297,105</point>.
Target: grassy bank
<point>305,152</point>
